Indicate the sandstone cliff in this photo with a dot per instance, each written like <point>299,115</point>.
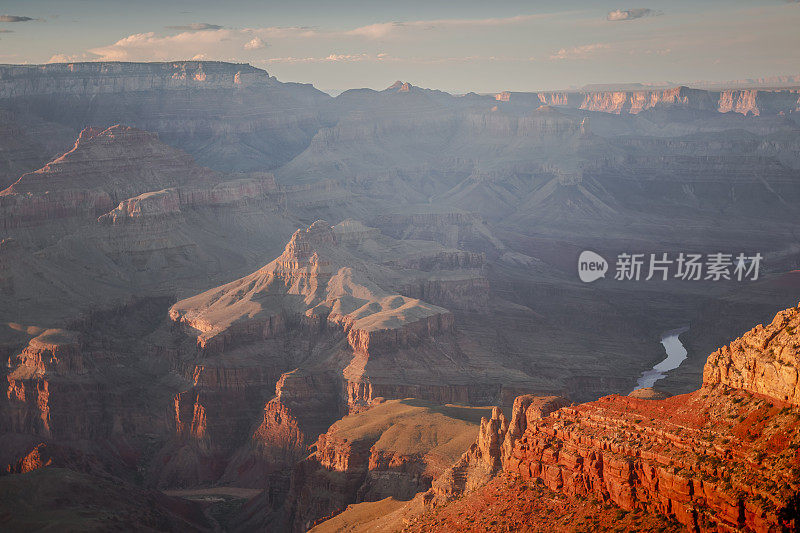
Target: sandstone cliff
<point>764,360</point>
<point>744,101</point>
<point>394,449</point>
<point>719,458</point>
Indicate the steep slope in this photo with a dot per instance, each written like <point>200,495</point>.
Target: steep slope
<point>122,213</point>
<point>273,359</point>
<point>721,457</point>
<point>102,169</point>
<point>393,450</point>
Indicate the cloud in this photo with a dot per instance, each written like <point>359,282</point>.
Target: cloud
<point>384,57</point>
<point>150,47</point>
<point>14,18</point>
<point>631,14</point>
<point>256,43</point>
<point>331,58</point>
<point>67,58</point>
<point>579,52</point>
<point>294,43</point>
<point>382,30</point>
<point>197,26</point>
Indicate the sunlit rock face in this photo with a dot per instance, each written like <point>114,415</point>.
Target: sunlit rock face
<point>720,457</point>
<point>163,318</point>
<point>762,361</point>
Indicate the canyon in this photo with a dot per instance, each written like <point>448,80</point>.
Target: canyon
<point>212,280</point>
<point>720,458</point>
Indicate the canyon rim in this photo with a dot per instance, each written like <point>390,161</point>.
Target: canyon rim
<point>232,302</point>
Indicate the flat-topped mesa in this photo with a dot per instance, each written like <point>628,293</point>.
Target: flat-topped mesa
<point>157,205</point>
<point>744,101</point>
<point>637,101</point>
<point>354,232</point>
<point>150,205</point>
<point>55,351</point>
<point>765,360</point>
<point>378,453</point>
<point>421,322</point>
<point>87,79</point>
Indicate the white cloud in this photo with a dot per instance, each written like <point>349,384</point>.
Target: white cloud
<point>383,30</point>
<point>256,43</point>
<point>217,42</point>
<point>331,58</point>
<point>70,58</point>
<point>149,46</point>
<point>579,52</point>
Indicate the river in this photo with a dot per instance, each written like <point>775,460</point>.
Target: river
<point>676,353</point>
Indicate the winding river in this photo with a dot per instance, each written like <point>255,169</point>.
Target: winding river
<point>676,353</point>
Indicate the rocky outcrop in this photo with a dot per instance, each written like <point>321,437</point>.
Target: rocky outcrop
<point>765,360</point>
<point>744,101</point>
<point>492,449</point>
<point>364,340</point>
<point>636,102</point>
<point>149,205</point>
<point>759,102</point>
<point>55,350</point>
<point>707,472</point>
<point>718,458</point>
<point>393,449</point>
<point>312,285</point>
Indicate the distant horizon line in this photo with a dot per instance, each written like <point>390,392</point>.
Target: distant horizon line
<point>770,82</point>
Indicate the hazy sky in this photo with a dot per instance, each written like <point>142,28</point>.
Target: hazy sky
<point>452,45</point>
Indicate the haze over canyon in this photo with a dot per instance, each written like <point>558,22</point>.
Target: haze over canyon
<point>233,303</point>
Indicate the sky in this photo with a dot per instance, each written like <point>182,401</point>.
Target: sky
<point>455,45</point>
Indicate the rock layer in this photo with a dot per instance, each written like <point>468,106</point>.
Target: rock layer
<point>721,458</point>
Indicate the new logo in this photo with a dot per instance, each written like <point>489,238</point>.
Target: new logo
<point>591,266</point>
